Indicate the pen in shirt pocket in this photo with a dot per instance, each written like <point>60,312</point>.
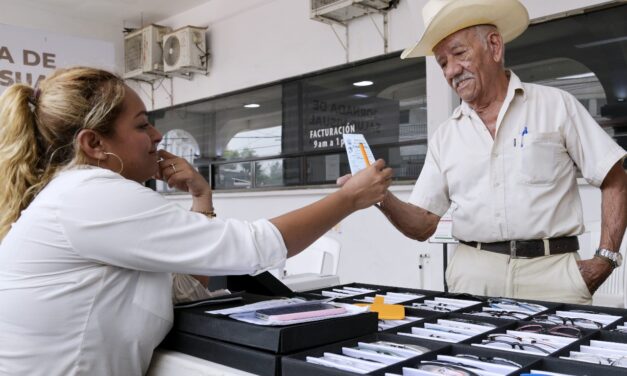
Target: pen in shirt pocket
<point>522,136</point>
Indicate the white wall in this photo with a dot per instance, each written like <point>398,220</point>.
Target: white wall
<point>254,42</point>
<point>47,21</point>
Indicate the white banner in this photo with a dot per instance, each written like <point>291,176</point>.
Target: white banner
<point>28,55</point>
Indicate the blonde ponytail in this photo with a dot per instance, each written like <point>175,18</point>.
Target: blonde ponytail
<point>18,154</point>
<point>38,130</point>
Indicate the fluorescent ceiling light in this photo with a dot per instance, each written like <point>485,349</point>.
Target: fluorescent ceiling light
<point>362,83</point>
<point>361,95</point>
<point>582,75</point>
<point>252,105</point>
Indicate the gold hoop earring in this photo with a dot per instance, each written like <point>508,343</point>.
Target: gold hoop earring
<point>119,159</point>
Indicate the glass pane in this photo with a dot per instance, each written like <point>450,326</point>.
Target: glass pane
<point>276,173</point>
<point>302,121</point>
<point>584,55</point>
<point>255,143</point>
<point>181,143</point>
<point>384,100</point>
<point>233,175</point>
<point>325,169</point>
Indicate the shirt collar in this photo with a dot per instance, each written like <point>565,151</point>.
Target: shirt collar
<point>514,87</point>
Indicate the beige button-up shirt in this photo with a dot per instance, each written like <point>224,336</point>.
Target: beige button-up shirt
<point>521,184</point>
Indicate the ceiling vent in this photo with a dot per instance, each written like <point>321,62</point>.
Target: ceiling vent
<point>143,56</point>
<point>185,51</point>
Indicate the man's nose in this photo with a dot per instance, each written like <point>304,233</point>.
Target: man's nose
<point>452,70</point>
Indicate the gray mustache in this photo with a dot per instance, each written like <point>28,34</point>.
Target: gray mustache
<point>461,77</point>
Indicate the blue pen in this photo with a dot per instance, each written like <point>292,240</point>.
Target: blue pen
<point>522,136</point>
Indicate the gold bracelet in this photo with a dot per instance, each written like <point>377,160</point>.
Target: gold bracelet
<point>210,214</point>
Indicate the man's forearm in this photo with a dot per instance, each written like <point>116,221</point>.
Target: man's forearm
<point>613,208</point>
<point>413,221</point>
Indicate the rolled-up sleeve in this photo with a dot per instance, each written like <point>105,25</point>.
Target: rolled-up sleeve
<point>431,189</point>
<point>592,149</point>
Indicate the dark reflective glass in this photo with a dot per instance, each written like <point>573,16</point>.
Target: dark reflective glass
<point>291,133</point>
<point>584,55</point>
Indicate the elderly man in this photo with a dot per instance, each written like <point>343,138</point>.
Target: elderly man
<point>506,162</point>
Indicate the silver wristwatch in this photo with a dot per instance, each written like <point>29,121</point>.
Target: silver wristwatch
<point>614,258</point>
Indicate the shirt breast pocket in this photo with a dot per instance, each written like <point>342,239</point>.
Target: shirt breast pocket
<point>539,158</point>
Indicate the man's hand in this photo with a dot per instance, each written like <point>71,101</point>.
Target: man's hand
<point>594,272</point>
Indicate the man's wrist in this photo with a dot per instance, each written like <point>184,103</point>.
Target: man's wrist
<point>613,258</point>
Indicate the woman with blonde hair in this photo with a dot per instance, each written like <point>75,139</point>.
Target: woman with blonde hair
<point>87,250</point>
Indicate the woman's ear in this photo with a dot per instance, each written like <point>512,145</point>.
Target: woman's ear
<point>90,143</point>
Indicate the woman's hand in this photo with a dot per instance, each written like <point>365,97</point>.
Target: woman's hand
<point>178,173</point>
<point>368,186</point>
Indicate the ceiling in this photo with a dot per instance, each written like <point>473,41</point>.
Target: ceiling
<point>130,13</point>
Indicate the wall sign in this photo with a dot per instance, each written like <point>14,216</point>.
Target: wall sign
<point>328,115</point>
<point>28,55</point>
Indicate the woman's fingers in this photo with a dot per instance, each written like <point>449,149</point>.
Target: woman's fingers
<point>180,174</point>
<point>370,185</point>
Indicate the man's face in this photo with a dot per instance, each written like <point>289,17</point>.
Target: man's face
<point>467,64</point>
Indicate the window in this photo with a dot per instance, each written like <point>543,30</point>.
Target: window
<point>584,55</point>
<point>290,134</point>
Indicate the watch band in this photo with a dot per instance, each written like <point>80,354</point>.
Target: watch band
<point>608,260</point>
<point>612,257</point>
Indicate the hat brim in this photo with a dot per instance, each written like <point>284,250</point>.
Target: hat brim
<point>509,16</point>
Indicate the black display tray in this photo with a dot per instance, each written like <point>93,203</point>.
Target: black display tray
<point>296,364</point>
<point>277,339</point>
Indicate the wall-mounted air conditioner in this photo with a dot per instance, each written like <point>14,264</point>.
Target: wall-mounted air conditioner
<point>143,53</point>
<point>185,51</point>
<point>342,11</point>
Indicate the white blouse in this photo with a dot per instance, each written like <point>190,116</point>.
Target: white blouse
<point>85,283</point>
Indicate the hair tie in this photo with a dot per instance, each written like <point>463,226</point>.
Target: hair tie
<point>34,98</point>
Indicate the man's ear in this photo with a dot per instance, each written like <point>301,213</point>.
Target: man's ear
<point>91,144</point>
<point>495,44</point>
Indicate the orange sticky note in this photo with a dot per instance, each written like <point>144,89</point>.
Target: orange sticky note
<point>385,311</point>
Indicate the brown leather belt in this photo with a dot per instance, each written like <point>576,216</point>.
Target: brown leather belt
<point>529,248</point>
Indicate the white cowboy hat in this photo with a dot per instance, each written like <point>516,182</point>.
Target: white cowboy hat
<point>444,17</point>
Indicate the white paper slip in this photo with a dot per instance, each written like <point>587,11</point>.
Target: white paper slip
<point>257,306</point>
<point>371,355</point>
<point>498,369</point>
<point>329,363</point>
<point>359,154</point>
<point>549,373</point>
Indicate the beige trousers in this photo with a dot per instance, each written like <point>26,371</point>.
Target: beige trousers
<point>553,278</point>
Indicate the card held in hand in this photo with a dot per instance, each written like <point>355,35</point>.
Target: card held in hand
<point>359,154</point>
